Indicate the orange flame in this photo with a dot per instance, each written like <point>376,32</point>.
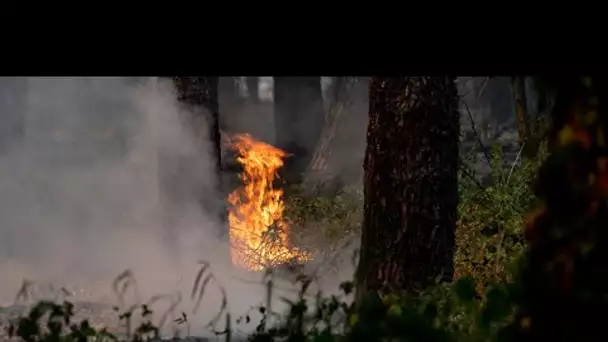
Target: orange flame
<point>258,234</point>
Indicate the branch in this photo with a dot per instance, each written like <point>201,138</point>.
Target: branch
<point>471,177</point>
<point>515,162</point>
<point>483,87</point>
<point>483,148</point>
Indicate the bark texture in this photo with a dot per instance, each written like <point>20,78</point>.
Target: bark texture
<point>299,120</point>
<point>410,184</point>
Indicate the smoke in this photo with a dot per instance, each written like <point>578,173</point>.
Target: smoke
<point>81,196</point>
<point>99,175</point>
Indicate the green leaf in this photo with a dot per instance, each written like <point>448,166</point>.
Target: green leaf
<point>497,305</point>
<point>464,288</point>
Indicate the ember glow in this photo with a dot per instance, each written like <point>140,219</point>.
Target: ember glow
<point>258,234</point>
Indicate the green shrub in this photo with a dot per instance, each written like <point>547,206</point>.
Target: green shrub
<point>489,234</point>
<point>324,219</point>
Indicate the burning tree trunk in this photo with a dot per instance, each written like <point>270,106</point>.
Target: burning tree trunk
<point>410,184</point>
<point>200,96</point>
<point>299,119</point>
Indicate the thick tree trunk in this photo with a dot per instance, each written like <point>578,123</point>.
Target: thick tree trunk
<point>299,120</point>
<point>200,96</point>
<point>410,184</point>
<point>13,101</point>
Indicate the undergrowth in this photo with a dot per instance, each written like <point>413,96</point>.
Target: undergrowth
<point>446,312</point>
<point>489,235</point>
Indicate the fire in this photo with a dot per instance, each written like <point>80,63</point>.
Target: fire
<point>258,233</point>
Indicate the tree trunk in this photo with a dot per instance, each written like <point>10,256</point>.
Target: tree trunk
<point>200,96</point>
<point>518,85</point>
<point>229,100</point>
<point>13,101</point>
<point>339,103</point>
<point>299,119</point>
<point>252,88</point>
<point>410,184</point>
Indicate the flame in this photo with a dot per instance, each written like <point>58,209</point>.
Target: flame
<point>258,233</point>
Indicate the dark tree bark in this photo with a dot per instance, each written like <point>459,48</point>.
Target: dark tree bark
<point>13,101</point>
<point>410,184</point>
<point>299,119</point>
<point>199,95</point>
<point>518,85</point>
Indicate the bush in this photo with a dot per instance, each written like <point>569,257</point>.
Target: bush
<point>489,234</point>
<point>328,225</point>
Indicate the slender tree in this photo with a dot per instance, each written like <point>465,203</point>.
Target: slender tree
<point>338,103</point>
<point>518,85</point>
<point>323,173</point>
<point>299,120</point>
<point>410,184</point>
<point>252,87</point>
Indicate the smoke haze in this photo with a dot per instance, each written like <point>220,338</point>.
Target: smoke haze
<point>79,189</point>
<point>80,196</point>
